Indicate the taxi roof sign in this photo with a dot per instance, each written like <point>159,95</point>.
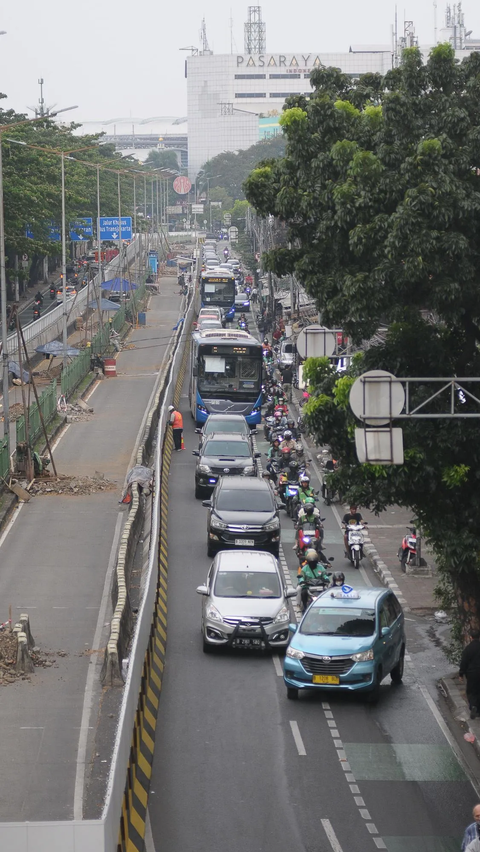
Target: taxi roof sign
<point>346,592</point>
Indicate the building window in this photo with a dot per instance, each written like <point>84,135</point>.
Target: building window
<point>250,76</point>
<point>284,76</point>
<point>250,95</point>
<point>283,94</point>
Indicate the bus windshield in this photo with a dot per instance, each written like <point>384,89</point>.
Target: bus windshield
<point>218,374</point>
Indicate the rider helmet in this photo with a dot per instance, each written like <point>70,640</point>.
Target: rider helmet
<point>291,423</point>
<point>286,451</point>
<point>311,556</point>
<point>304,479</point>
<point>278,415</point>
<point>287,435</point>
<point>276,441</point>
<point>309,509</point>
<point>338,578</point>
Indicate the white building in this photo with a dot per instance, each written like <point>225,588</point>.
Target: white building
<point>230,97</point>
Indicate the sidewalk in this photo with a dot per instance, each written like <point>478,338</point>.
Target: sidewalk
<point>57,558</point>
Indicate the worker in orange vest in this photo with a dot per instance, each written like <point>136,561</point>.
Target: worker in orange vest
<point>176,422</point>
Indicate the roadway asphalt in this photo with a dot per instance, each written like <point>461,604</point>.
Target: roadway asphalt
<point>54,563</point>
<point>227,771</point>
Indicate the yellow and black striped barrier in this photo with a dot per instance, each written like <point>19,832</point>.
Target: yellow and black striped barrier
<point>135,798</point>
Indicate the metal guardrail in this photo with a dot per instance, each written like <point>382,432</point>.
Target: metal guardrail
<point>48,407</point>
<point>4,460</point>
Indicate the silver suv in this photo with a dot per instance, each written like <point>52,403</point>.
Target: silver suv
<point>245,602</point>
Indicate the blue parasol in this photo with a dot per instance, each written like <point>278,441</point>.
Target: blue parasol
<point>118,285</point>
<point>55,347</point>
<point>105,305</point>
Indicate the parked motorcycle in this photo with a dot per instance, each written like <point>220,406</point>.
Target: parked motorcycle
<point>355,543</point>
<point>407,552</point>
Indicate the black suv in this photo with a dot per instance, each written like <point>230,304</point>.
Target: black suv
<point>243,514</point>
<point>223,454</point>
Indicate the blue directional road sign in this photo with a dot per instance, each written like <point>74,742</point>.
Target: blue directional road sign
<point>109,229</point>
<point>53,233</point>
<point>81,230</point>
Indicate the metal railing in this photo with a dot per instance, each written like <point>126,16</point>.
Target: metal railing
<point>4,459</point>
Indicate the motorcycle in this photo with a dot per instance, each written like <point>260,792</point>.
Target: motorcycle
<point>36,312</point>
<point>53,292</point>
<point>355,543</point>
<point>407,552</point>
<point>315,589</point>
<point>291,494</point>
<point>309,535</point>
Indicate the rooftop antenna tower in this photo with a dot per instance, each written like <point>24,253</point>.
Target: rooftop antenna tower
<point>41,110</point>
<point>255,31</point>
<point>203,38</point>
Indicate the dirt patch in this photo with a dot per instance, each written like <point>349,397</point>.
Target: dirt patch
<point>15,411</point>
<point>73,485</point>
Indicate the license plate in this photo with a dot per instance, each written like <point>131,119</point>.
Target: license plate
<point>325,679</point>
<point>244,542</point>
<point>246,642</point>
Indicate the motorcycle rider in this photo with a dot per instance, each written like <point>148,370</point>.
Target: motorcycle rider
<point>305,491</point>
<point>288,442</point>
<point>39,298</point>
<point>274,453</point>
<point>293,428</point>
<point>349,518</point>
<point>338,578</point>
<point>310,517</point>
<point>310,572</point>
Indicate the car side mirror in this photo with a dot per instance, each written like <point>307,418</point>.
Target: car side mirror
<point>281,505</point>
<point>385,631</point>
<point>331,559</point>
<point>202,590</point>
<point>258,455</point>
<point>292,628</point>
<point>195,371</point>
<point>198,431</point>
<point>207,504</point>
<point>195,453</point>
<point>290,593</point>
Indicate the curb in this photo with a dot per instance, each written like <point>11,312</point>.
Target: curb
<point>383,571</point>
<point>459,709</point>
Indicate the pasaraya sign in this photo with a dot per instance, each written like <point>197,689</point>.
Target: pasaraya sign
<point>291,62</point>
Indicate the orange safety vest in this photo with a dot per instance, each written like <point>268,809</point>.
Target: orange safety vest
<point>177,421</point>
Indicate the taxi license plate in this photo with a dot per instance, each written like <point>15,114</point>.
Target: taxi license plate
<point>325,679</point>
<point>244,542</point>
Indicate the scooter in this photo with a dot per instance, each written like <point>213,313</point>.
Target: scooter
<point>308,536</point>
<point>315,589</point>
<point>355,543</point>
<point>36,312</point>
<point>53,291</point>
<point>407,552</point>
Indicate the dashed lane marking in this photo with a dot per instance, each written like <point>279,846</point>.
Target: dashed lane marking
<point>298,739</point>
<point>332,837</point>
<point>277,665</point>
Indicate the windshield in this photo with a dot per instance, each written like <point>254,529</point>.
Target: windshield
<point>240,584</point>
<point>341,621</point>
<point>237,449</point>
<point>229,373</point>
<point>227,425</point>
<point>245,501</point>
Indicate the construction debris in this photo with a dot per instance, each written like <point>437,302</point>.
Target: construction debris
<point>18,657</point>
<point>15,411</point>
<point>73,485</point>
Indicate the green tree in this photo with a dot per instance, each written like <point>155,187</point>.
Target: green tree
<point>162,158</point>
<point>230,169</point>
<point>379,192</point>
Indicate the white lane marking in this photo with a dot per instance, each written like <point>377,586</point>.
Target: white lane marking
<point>365,814</point>
<point>88,694</point>
<point>359,802</point>
<point>149,844</point>
<point>11,523</point>
<point>31,728</point>
<point>91,391</point>
<point>372,827</point>
<point>379,843</point>
<point>277,664</point>
<point>298,738</point>
<point>59,438</point>
<point>332,837</point>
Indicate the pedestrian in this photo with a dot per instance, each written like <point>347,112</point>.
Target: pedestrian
<point>254,295</point>
<point>287,380</point>
<point>470,667</point>
<point>176,422</point>
<point>471,838</point>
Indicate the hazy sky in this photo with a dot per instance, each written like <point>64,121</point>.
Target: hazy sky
<point>118,58</point>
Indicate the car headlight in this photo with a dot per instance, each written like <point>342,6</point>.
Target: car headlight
<point>249,470</point>
<point>273,525</point>
<point>282,615</point>
<point>217,524</point>
<point>204,468</point>
<point>212,612</point>
<point>294,654</point>
<point>363,656</point>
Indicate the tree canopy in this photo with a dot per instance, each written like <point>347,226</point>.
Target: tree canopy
<point>230,169</point>
<point>379,190</point>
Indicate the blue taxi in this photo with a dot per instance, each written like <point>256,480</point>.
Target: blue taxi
<point>348,639</point>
